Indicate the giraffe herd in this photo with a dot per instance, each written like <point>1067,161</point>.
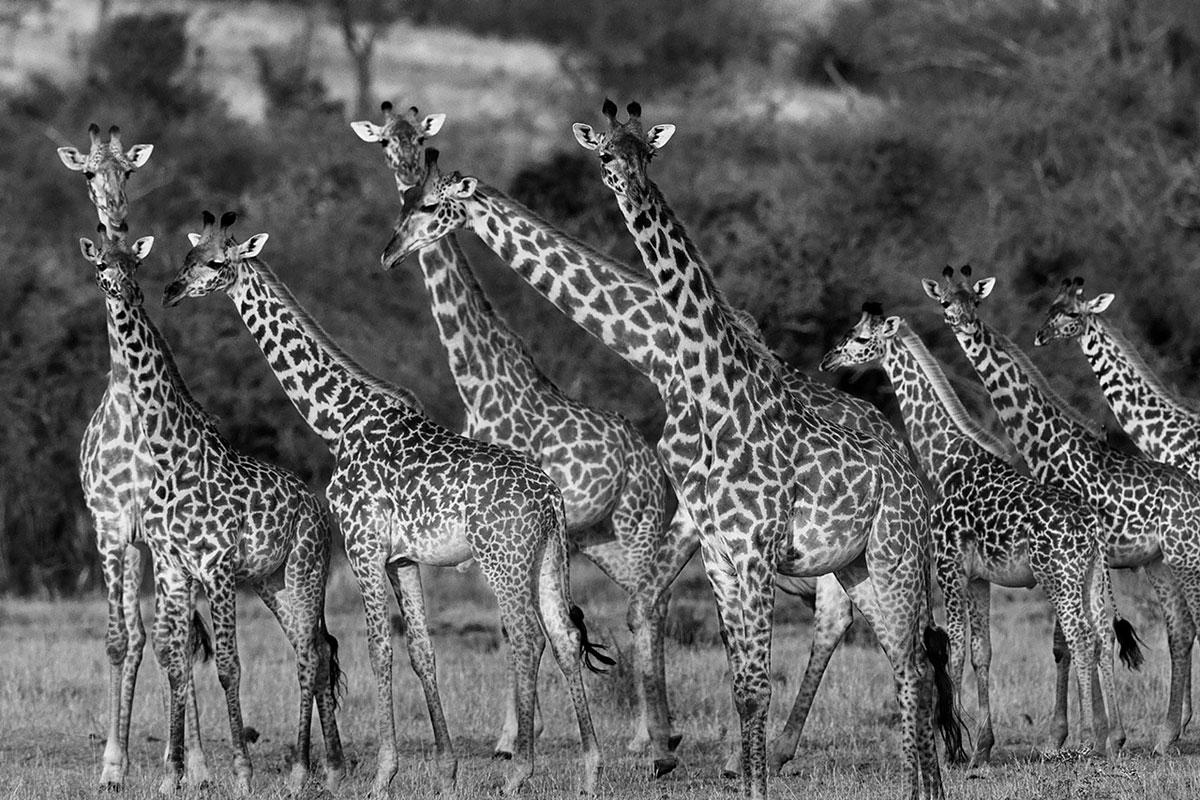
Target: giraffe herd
<point>765,470</point>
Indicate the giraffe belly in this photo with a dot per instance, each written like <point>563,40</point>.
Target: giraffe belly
<point>813,551</point>
<point>1012,570</point>
<point>444,546</point>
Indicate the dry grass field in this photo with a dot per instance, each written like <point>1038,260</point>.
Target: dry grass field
<point>52,676</point>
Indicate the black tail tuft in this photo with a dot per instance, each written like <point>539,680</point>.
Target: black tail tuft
<point>337,681</point>
<point>1130,645</point>
<point>202,646</point>
<point>590,651</point>
<point>945,712</point>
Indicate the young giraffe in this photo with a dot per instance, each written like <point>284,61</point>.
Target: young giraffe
<point>1150,511</point>
<point>408,492</point>
<point>1165,427</point>
<point>618,501</point>
<point>991,524</point>
<point>116,471</point>
<point>223,518</point>
<point>620,307</point>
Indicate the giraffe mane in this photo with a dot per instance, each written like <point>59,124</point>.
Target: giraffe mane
<point>951,402</point>
<point>335,351</point>
<point>1139,366</point>
<point>1090,426</point>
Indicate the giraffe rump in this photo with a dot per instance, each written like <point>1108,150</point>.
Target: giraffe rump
<point>1129,642</point>
<point>592,652</point>
<point>202,646</point>
<point>945,710</point>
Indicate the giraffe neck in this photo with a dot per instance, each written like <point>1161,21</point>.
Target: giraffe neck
<point>169,417</point>
<point>1057,442</point>
<point>608,300</point>
<point>942,433</point>
<point>1159,423</point>
<point>324,384</point>
<point>712,355</point>
<point>483,353</point>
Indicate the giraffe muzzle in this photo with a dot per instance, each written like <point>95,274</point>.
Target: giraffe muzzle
<point>394,253</point>
<point>175,291</point>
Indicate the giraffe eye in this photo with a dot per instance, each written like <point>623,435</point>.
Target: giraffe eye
<point>428,207</point>
<point>89,175</point>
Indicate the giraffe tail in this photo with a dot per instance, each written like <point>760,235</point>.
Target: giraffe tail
<point>337,680</point>
<point>202,646</point>
<point>945,710</point>
<point>1129,643</point>
<point>592,652</point>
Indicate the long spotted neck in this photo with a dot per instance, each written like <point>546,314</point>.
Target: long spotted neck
<point>714,358</point>
<point>1055,441</point>
<point>483,352</point>
<point>324,384</point>
<point>1163,427</point>
<point>941,431</point>
<point>608,300</point>
<point>169,417</point>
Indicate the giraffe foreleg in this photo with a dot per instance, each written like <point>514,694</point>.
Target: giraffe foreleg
<point>1181,631</point>
<point>172,621</point>
<point>979,600</point>
<point>406,583</point>
<point>222,599</point>
<point>1102,610</point>
<point>833,614</point>
<point>368,571</point>
<point>117,647</point>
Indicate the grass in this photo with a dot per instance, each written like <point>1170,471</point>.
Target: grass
<point>52,702</point>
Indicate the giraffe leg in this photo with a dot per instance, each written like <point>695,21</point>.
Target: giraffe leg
<point>116,645</point>
<point>222,598</point>
<point>171,635</point>
<point>953,580</point>
<point>196,773</point>
<point>1103,611</point>
<point>1181,630</point>
<point>833,613</point>
<point>369,574</point>
<point>564,628</point>
<point>1065,586</point>
<point>1059,723</point>
<point>979,600</point>
<point>406,583</point>
<point>506,742</point>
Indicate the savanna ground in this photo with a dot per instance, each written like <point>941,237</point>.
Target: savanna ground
<point>52,700</point>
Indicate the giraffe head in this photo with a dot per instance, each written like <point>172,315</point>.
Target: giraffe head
<point>625,150</point>
<point>866,341</point>
<point>403,138</point>
<point>430,211</point>
<point>214,260</point>
<point>107,167</point>
<point>1070,313</point>
<point>116,262</point>
<point>958,298</point>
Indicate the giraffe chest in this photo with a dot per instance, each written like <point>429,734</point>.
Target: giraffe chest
<point>116,468</point>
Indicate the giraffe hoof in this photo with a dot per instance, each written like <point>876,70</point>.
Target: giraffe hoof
<point>502,755</point>
<point>110,787</point>
<point>673,741</point>
<point>665,766</point>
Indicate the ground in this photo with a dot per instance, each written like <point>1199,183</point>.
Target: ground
<point>52,702</point>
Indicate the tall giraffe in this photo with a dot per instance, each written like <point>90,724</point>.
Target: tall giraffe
<point>408,492</point>
<point>618,501</point>
<point>620,308</point>
<point>1150,511</point>
<point>1163,425</point>
<point>222,518</point>
<point>992,524</point>
<point>766,479</point>
<point>116,471</point>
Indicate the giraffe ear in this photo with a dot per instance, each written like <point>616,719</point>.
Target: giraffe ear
<point>88,248</point>
<point>586,137</point>
<point>1101,302</point>
<point>141,248</point>
<point>432,124</point>
<point>252,246</point>
<point>74,159</point>
<point>367,131</point>
<point>659,135</point>
<point>984,287</point>
<point>194,238</point>
<point>464,188</point>
<point>889,327</point>
<point>139,154</point>
<point>932,289</point>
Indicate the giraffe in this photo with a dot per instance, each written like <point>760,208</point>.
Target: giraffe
<point>1150,511</point>
<point>993,524</point>
<point>618,502</point>
<point>1165,427</point>
<point>620,308</point>
<point>116,471</point>
<point>223,518</point>
<point>407,491</point>
<point>767,480</point>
